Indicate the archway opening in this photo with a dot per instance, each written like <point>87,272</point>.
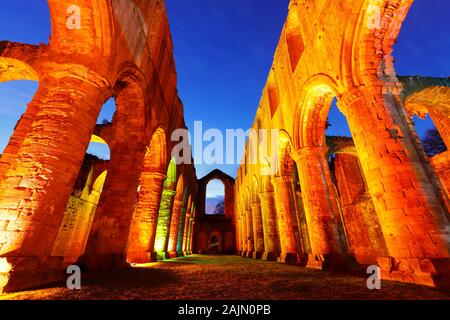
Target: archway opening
<point>215,198</point>
<point>429,135</point>
<point>82,205</point>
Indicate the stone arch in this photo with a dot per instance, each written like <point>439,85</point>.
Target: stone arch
<point>156,153</point>
<point>312,111</point>
<point>227,181</point>
<point>15,69</point>
<point>255,189</point>
<point>118,202</point>
<point>143,228</point>
<point>285,162</point>
<point>380,25</point>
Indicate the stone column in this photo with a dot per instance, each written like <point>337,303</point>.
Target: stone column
<point>321,209</point>
<point>181,226</point>
<point>191,235</point>
<point>258,232</point>
<point>185,233</point>
<point>284,202</point>
<point>269,216</point>
<point>141,241</point>
<point>40,176</point>
<point>173,231</point>
<point>250,239</point>
<point>244,235</point>
<point>162,229</point>
<point>411,216</point>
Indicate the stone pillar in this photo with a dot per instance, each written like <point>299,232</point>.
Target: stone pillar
<point>269,217</point>
<point>411,216</point>
<point>321,209</point>
<point>181,226</point>
<point>244,235</point>
<point>284,202</point>
<point>238,235</point>
<point>186,233</point>
<point>191,235</point>
<point>162,229</point>
<point>250,239</point>
<point>258,232</point>
<point>39,179</point>
<point>141,241</point>
<point>173,232</point>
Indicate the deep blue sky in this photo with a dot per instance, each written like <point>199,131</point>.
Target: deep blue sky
<point>223,52</point>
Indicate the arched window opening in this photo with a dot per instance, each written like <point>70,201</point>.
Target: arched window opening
<point>99,148</point>
<point>429,135</point>
<point>337,124</point>
<point>215,198</point>
<point>82,205</point>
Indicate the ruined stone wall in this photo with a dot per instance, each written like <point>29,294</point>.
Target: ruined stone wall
<point>343,50</point>
<point>121,49</point>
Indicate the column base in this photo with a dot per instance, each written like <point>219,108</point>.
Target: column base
<point>162,255</point>
<point>257,255</point>
<point>31,272</point>
<point>102,262</point>
<point>243,253</point>
<point>249,254</point>
<point>173,255</point>
<point>270,256</point>
<point>428,272</point>
<point>333,262</point>
<point>180,254</point>
<point>144,258</point>
<point>290,258</point>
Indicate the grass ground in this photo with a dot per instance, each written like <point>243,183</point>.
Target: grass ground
<point>226,278</point>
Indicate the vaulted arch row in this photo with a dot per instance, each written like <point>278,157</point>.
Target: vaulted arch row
<point>288,208</point>
<point>343,228</point>
<point>80,211</point>
<point>142,234</point>
<point>398,175</point>
<point>40,168</point>
<point>107,243</point>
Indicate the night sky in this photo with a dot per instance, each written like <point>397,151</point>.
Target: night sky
<point>223,52</point>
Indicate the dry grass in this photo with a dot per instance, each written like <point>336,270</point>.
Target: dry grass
<point>226,278</point>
